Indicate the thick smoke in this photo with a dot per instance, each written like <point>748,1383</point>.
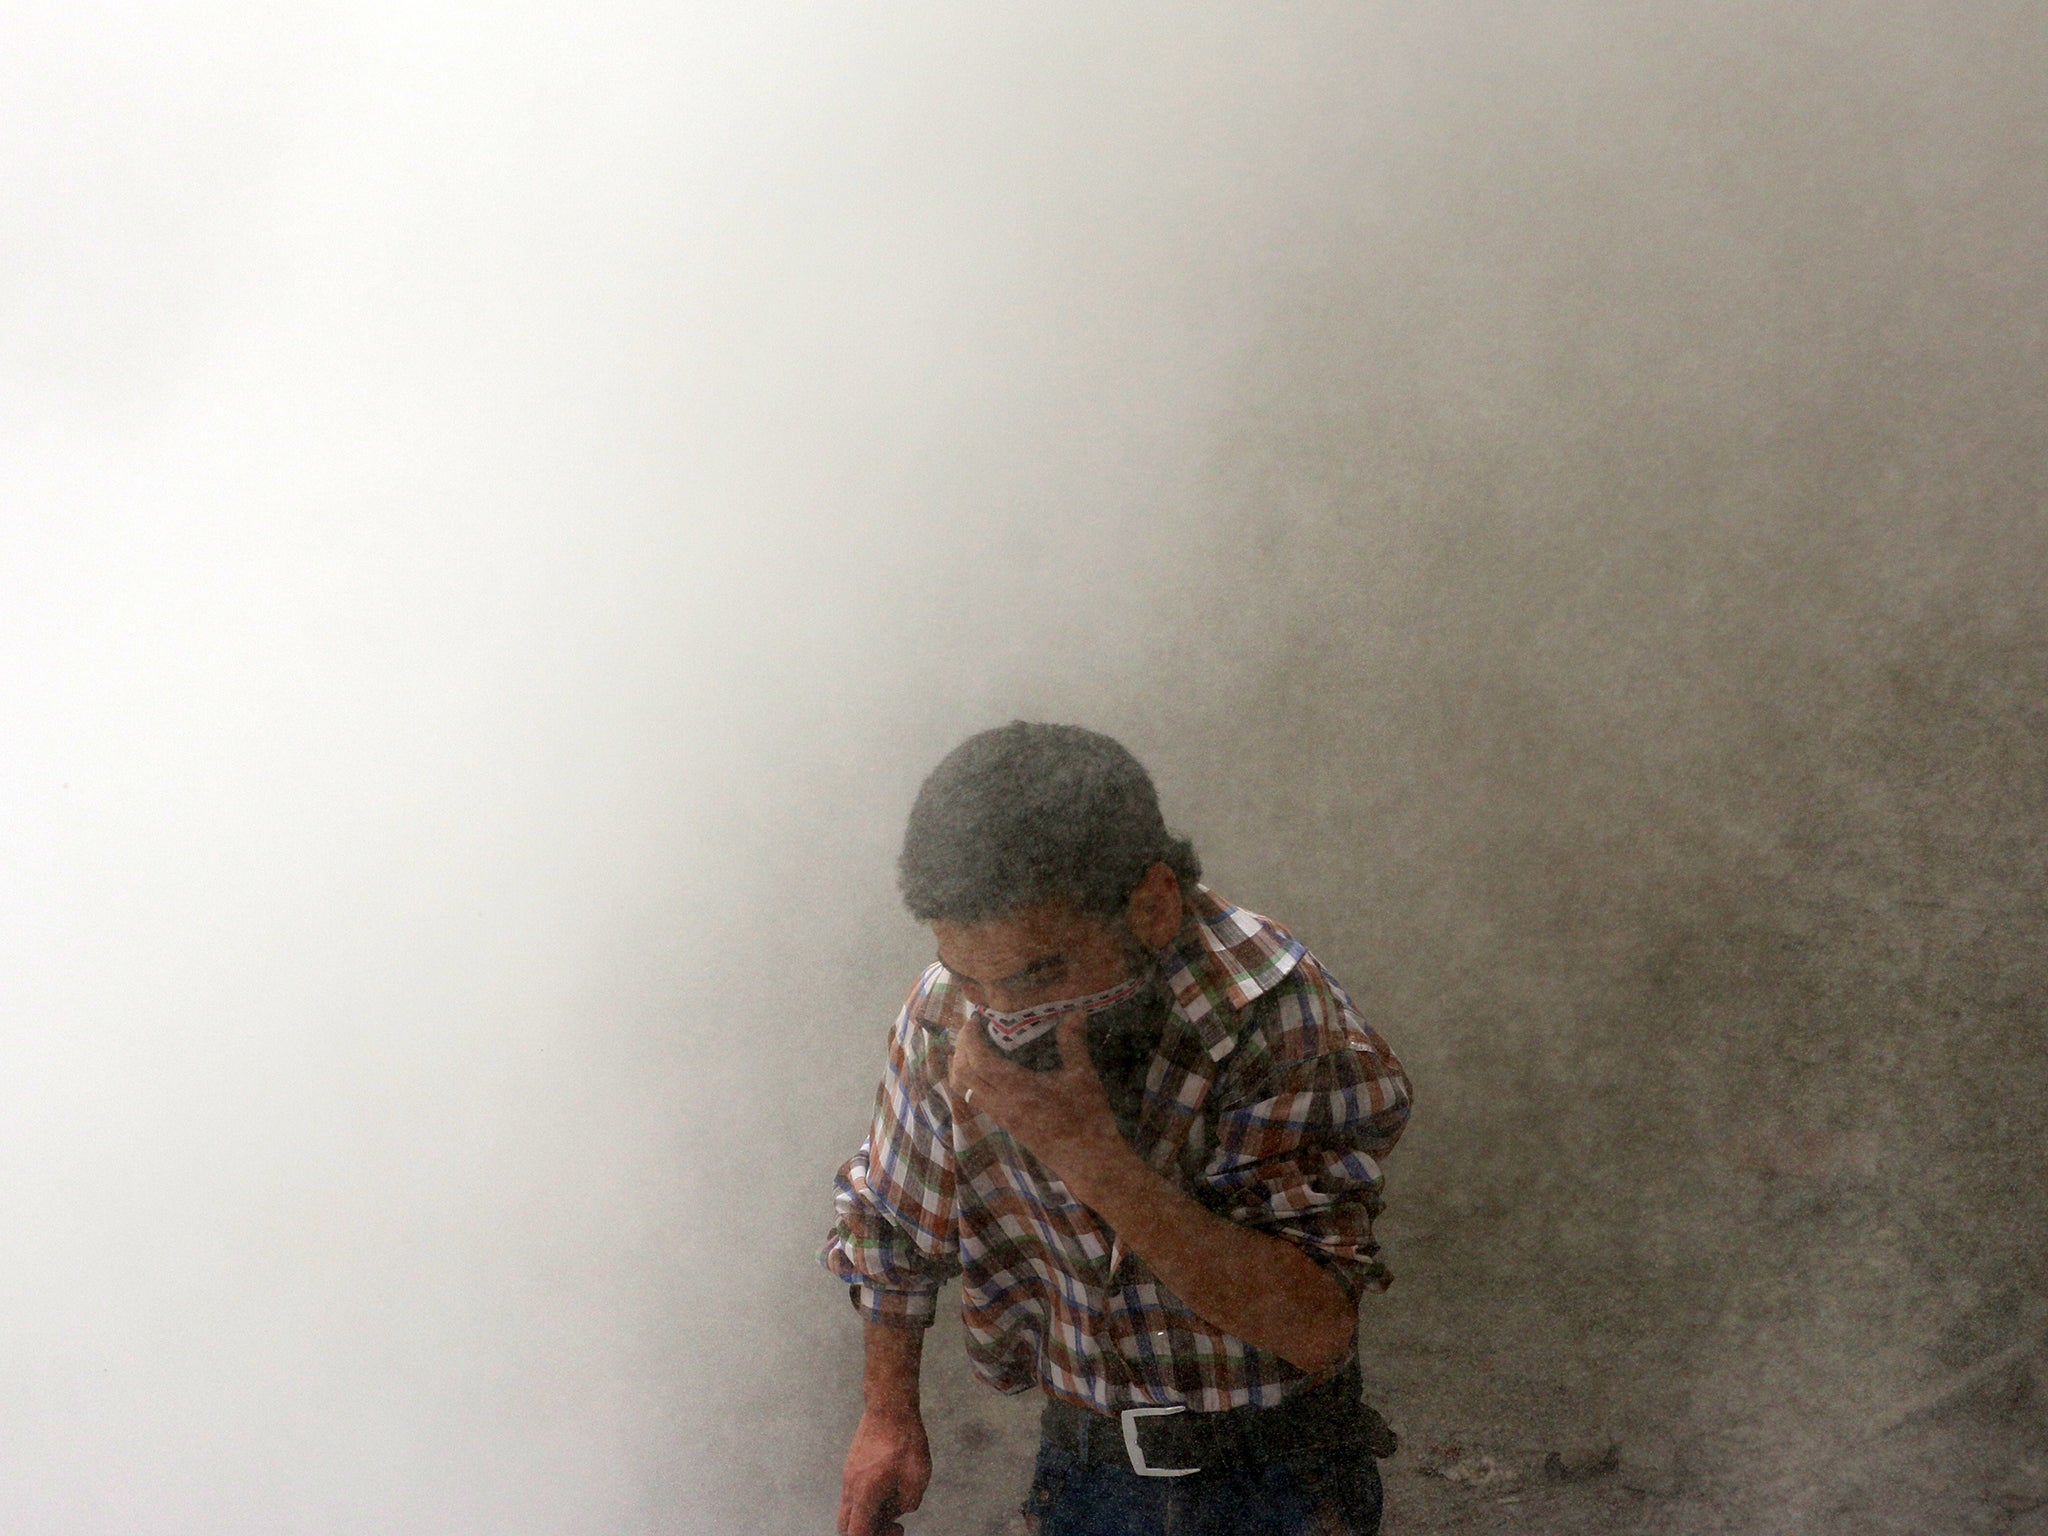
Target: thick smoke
<point>502,508</point>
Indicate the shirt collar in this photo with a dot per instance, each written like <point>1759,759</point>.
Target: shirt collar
<point>1223,958</point>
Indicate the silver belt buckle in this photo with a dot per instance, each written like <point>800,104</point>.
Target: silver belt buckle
<point>1130,1416</point>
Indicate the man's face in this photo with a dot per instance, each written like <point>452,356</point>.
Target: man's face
<point>1042,953</point>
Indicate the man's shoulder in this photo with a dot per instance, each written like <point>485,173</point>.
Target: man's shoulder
<point>1306,1014</point>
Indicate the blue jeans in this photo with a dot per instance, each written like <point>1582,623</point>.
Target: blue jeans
<point>1314,1493</point>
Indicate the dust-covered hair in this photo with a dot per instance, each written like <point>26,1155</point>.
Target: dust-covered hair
<point>1027,812</point>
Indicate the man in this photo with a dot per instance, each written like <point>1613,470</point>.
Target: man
<point>1142,1125</point>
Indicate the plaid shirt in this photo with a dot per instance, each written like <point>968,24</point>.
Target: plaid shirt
<point>1268,1100</point>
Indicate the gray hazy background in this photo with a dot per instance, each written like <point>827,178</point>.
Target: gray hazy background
<point>501,507</point>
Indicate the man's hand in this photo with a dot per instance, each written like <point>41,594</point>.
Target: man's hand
<point>1259,1287</point>
<point>887,1468</point>
<point>1062,1117</point>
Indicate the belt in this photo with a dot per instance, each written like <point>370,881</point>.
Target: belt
<point>1173,1442</point>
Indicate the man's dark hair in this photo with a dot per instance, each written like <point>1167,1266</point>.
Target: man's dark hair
<point>1027,812</point>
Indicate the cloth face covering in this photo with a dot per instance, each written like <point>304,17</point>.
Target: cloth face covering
<point>1013,1031</point>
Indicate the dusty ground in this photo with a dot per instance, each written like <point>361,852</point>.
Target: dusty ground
<point>1479,1430</point>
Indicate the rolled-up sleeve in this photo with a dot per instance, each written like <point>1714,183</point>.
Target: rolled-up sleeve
<point>1297,1150</point>
<point>896,1240</point>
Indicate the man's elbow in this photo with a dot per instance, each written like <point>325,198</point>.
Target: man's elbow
<point>1325,1329</point>
<point>1325,1351</point>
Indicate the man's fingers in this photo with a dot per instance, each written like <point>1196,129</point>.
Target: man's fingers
<point>978,1063</point>
<point>862,1510</point>
<point>1072,1035</point>
<point>966,1072</point>
<point>968,1050</point>
<point>910,1490</point>
<point>983,1054</point>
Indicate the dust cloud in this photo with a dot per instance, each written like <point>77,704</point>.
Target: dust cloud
<point>502,507</point>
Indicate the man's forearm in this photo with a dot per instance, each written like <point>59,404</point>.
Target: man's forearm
<point>889,1379</point>
<point>889,1464</point>
<point>1261,1288</point>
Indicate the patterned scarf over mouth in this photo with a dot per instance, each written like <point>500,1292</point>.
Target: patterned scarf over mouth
<point>1013,1031</point>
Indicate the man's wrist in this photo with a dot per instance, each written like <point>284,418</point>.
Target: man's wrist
<point>894,1412</point>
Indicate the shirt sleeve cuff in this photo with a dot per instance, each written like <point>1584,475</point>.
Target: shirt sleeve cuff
<point>895,1309</point>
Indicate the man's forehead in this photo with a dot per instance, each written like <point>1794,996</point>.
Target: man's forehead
<point>999,947</point>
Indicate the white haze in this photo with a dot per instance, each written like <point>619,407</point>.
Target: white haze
<point>468,474</point>
<point>502,504</point>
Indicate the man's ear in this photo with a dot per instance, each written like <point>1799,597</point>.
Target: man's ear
<point>1155,910</point>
